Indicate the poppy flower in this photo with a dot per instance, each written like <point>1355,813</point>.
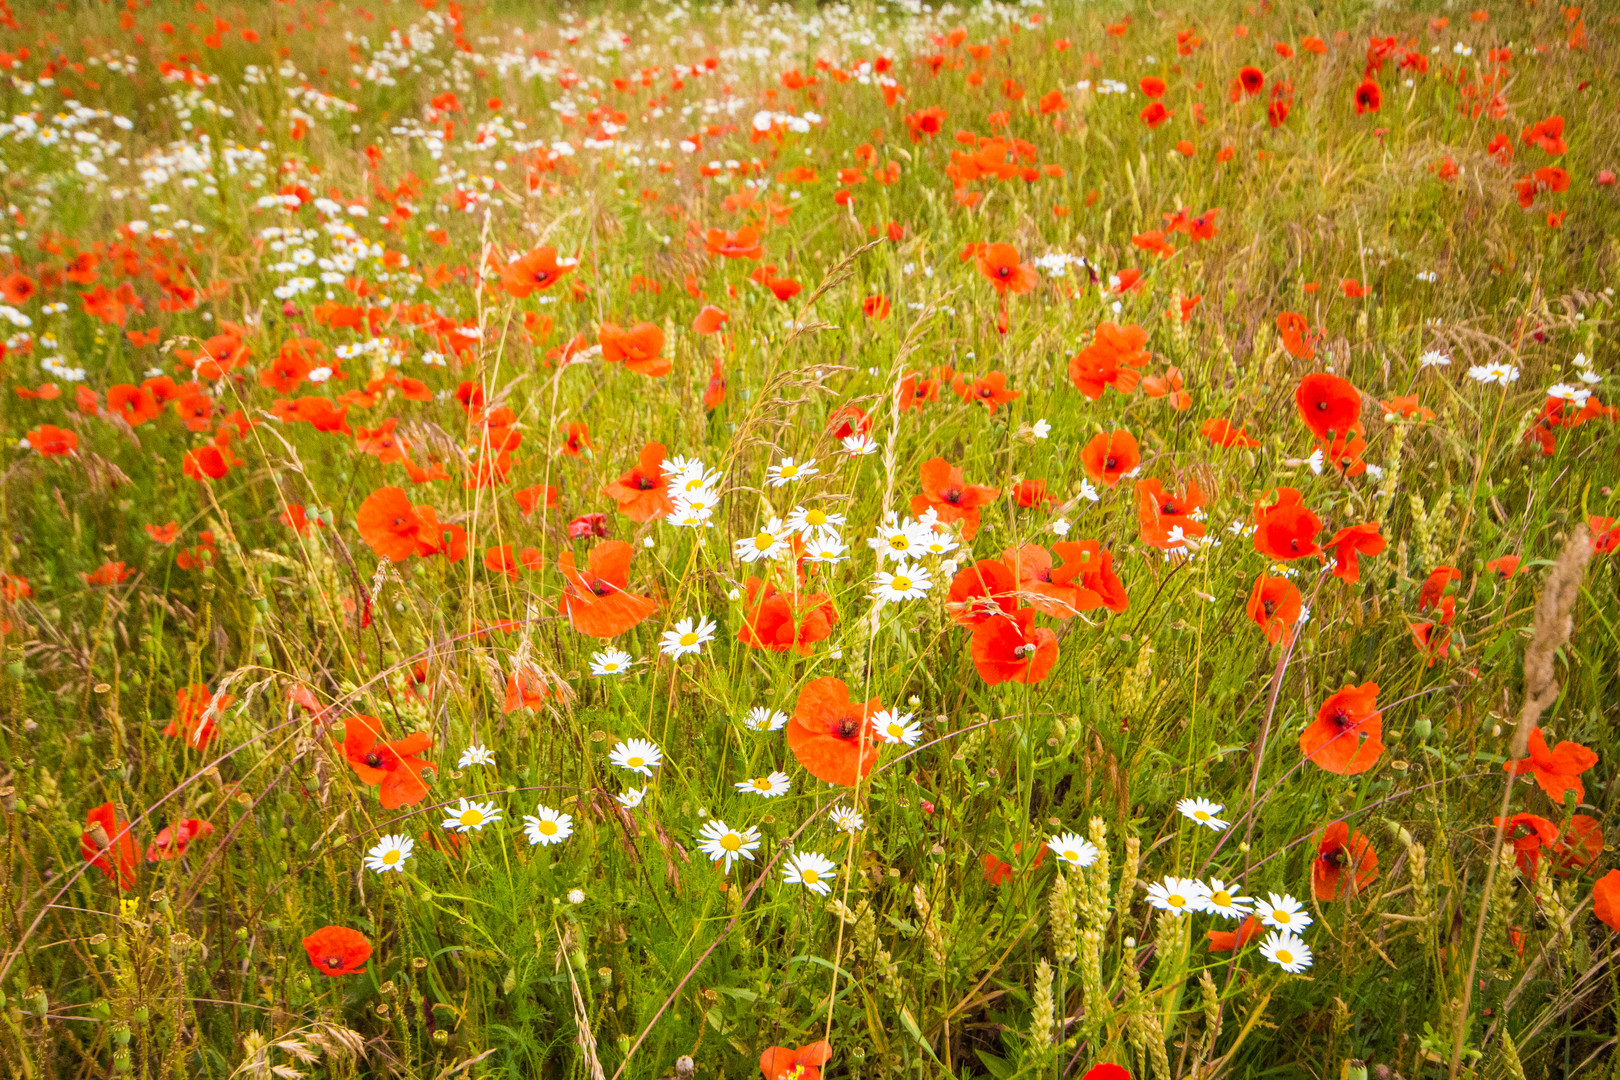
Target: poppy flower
<point>1296,336</point>
<point>639,348</point>
<point>51,441</point>
<point>525,689</point>
<point>1029,494</point>
<point>830,735</point>
<point>1252,79</point>
<point>1156,114</point>
<point>163,534</point>
<point>1107,1071</point>
<point>1558,769</point>
<point>1006,648</point>
<point>990,391</point>
<point>996,872</point>
<point>950,497</point>
<point>196,710</point>
<point>1274,605</point>
<point>1168,385</point>
<point>597,600</point>
<point>1328,404</point>
<point>1221,432</point>
<point>588,525</point>
<point>536,497</point>
<point>643,492</point>
<point>848,420</point>
<point>539,269</point>
<point>1346,737</point>
<point>1606,900</point>
<point>1167,517</point>
<point>1109,360</point>
<point>1345,863</point>
<point>1286,529</point>
<point>389,524</point>
<point>1528,833</point>
<point>1109,456</point>
<point>172,840</point>
<point>710,320</point>
<point>1088,566</point>
<point>1348,544</point>
<point>781,621</point>
<point>337,950</point>
<point>743,244</point>
<point>1505,566</point>
<point>1368,97</point>
<point>392,767</point>
<point>17,288</point>
<point>1232,940</point>
<point>107,845</point>
<point>135,405</point>
<point>783,1063</point>
<point>1000,266</point>
<point>1434,586</point>
<point>981,590</point>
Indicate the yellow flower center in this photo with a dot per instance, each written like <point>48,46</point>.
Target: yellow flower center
<point>1222,899</point>
<point>764,541</point>
<point>471,817</point>
<point>390,857</point>
<point>899,542</point>
<point>1282,917</point>
<point>1072,855</point>
<point>809,877</point>
<point>1284,956</point>
<point>815,517</point>
<point>1177,900</point>
<point>731,842</point>
<point>789,471</point>
<point>762,785</point>
<point>548,827</point>
<point>689,638</point>
<point>635,762</point>
<point>1201,815</point>
<point>901,582</point>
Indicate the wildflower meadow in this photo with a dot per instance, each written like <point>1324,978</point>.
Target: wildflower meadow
<point>860,540</point>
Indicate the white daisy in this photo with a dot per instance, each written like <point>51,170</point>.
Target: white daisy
<point>476,754</point>
<point>1177,895</point>
<point>908,581</point>
<point>765,718</point>
<point>390,854</point>
<point>846,819</point>
<point>900,541</point>
<point>767,787</point>
<point>1204,812</point>
<point>630,798</point>
<point>470,816</point>
<point>1072,848</point>
<point>1042,429</point>
<point>768,542</point>
<point>1282,913</point>
<point>786,472</point>
<point>1582,360</point>
<point>1287,951</point>
<point>812,870</point>
<point>547,826</point>
<point>690,476</point>
<point>720,842</point>
<point>688,637</point>
<point>1434,358</point>
<point>859,445</point>
<point>1498,372</point>
<point>891,725</point>
<point>611,662</point>
<point>940,543</point>
<point>814,523</point>
<point>637,755</point>
<point>688,515</point>
<point>1220,899</point>
<point>828,550</point>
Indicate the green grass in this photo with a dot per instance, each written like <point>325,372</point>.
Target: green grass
<point>486,961</point>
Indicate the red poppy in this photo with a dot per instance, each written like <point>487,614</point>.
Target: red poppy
<point>172,840</point>
<point>537,497</point>
<point>1167,517</point>
<point>196,711</point>
<point>710,320</point>
<point>1434,586</point>
<point>1089,567</point>
<point>1528,833</point>
<point>539,269</point>
<point>525,689</point>
<point>830,735</point>
<point>51,441</point>
<point>163,534</point>
<point>1252,79</point>
<point>1156,114</point>
<point>1168,385</point>
<point>950,497</point>
<point>1109,360</point>
<point>1029,494</point>
<point>389,524</point>
<point>783,1063</point>
<point>990,391</point>
<point>1345,863</point>
<point>1606,900</point>
<point>597,600</point>
<point>1006,648</point>
<point>1581,845</point>
<point>1232,940</point>
<point>107,845</point>
<point>1221,432</point>
<point>743,244</point>
<point>1505,566</point>
<point>392,767</point>
<point>134,404</point>
<point>639,348</point>
<point>1000,266</point>
<point>1368,98</point>
<point>643,492</point>
<point>337,950</point>
<point>1107,1071</point>
<point>781,621</point>
<point>588,525</point>
<point>1347,735</point>
<point>1329,405</point>
<point>1274,605</point>
<point>1109,456</point>
<point>1296,335</point>
<point>1348,544</point>
<point>1286,529</point>
<point>981,590</point>
<point>1558,769</point>
<point>848,420</point>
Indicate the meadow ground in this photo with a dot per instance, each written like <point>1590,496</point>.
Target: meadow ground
<point>879,541</point>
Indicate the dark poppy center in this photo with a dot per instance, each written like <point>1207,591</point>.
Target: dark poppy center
<point>952,495</point>
<point>373,759</point>
<point>1269,606</point>
<point>334,962</point>
<point>1111,462</point>
<point>600,587</point>
<point>645,483</point>
<point>1003,271</point>
<point>847,726</point>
